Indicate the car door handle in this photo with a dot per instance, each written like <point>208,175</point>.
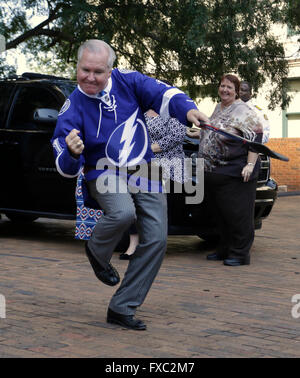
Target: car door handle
<point>12,143</point>
<point>7,142</point>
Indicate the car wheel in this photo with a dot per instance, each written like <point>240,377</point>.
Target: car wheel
<point>17,217</point>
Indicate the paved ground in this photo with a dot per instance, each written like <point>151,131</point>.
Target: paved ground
<point>55,307</point>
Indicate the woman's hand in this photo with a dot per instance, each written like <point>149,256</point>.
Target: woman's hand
<point>247,171</point>
<point>192,132</point>
<point>155,147</point>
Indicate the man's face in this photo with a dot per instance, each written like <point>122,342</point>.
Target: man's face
<point>92,71</point>
<point>245,94</point>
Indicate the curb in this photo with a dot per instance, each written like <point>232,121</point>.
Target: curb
<point>286,194</point>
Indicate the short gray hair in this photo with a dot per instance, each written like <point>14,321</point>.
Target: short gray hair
<point>97,45</point>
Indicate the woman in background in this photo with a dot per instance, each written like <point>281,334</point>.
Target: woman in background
<point>231,171</point>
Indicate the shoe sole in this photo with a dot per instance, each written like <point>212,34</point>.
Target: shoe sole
<point>115,321</point>
<point>215,259</point>
<point>237,264</point>
<point>108,283</point>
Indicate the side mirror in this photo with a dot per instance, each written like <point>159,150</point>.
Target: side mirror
<point>45,115</point>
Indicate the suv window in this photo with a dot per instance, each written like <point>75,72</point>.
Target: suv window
<point>67,87</point>
<point>28,100</point>
<point>5,92</point>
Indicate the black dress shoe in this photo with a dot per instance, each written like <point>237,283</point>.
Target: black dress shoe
<point>108,276</point>
<point>215,257</point>
<point>124,256</point>
<point>126,321</point>
<point>237,261</point>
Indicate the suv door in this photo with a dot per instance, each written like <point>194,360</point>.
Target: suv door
<point>35,185</point>
<point>6,93</point>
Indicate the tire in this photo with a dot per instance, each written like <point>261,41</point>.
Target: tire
<point>21,218</point>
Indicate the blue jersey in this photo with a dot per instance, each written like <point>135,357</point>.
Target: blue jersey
<point>112,124</point>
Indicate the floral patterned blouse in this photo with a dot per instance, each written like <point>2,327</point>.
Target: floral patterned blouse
<point>224,155</point>
<point>169,135</point>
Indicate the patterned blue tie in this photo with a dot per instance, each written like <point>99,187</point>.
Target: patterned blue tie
<point>105,97</point>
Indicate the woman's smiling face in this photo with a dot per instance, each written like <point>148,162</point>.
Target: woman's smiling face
<point>227,92</point>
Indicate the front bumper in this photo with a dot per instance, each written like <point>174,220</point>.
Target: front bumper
<point>266,196</point>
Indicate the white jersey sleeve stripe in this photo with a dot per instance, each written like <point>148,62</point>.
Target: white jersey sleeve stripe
<point>61,172</point>
<point>57,146</point>
<point>164,109</point>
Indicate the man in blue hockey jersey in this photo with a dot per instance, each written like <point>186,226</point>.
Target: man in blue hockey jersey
<point>103,120</point>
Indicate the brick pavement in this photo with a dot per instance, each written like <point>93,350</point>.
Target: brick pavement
<point>55,307</point>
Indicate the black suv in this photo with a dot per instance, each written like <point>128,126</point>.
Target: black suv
<point>31,187</point>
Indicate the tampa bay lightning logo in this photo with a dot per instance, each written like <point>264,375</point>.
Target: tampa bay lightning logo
<point>65,107</point>
<point>128,143</point>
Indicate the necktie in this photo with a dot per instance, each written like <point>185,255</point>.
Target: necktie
<point>105,97</point>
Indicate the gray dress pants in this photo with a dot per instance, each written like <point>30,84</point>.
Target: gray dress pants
<point>149,211</point>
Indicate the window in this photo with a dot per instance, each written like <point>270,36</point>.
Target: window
<point>29,99</point>
<point>5,93</point>
<point>67,87</point>
<point>291,115</point>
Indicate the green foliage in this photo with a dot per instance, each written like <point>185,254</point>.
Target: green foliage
<point>188,42</point>
<point>293,13</point>
<point>6,70</point>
